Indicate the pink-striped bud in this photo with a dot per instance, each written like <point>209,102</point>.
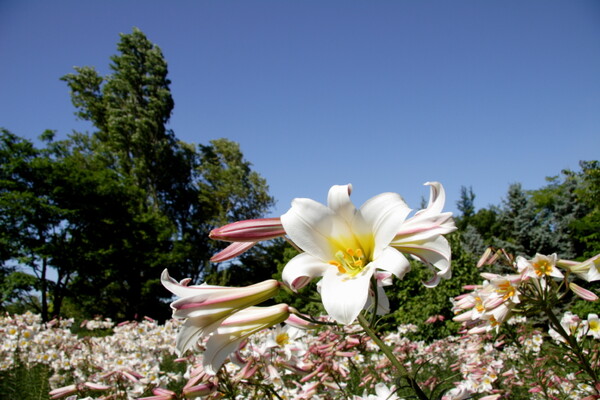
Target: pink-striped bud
<point>63,391</point>
<point>298,322</point>
<point>583,293</point>
<point>250,230</point>
<point>160,394</point>
<point>96,386</point>
<point>201,390</point>
<point>232,251</point>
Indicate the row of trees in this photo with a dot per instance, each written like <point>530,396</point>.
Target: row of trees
<point>96,217</point>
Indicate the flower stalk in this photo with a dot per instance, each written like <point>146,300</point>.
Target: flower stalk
<point>387,351</point>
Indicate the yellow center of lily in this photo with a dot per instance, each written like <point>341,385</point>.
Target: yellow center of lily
<point>350,262</point>
<point>479,304</point>
<point>506,289</point>
<point>594,325</point>
<point>543,267</point>
<point>282,339</point>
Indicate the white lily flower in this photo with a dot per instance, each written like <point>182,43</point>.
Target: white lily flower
<point>206,306</point>
<point>539,266</point>
<point>345,246</point>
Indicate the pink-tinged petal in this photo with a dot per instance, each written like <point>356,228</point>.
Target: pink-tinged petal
<point>338,199</point>
<point>201,390</point>
<point>391,260</point>
<point>181,290</point>
<point>344,297</point>
<point>301,269</point>
<point>206,301</point>
<point>233,250</point>
<point>313,227</point>
<point>434,281</point>
<point>227,338</point>
<point>583,293</point>
<point>251,230</point>
<point>193,330</point>
<point>429,222</point>
<point>437,198</point>
<point>383,215</point>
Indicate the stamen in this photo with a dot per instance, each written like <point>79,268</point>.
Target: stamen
<point>506,289</point>
<point>542,268</point>
<point>351,262</point>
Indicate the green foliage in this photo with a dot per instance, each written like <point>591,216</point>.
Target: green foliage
<point>25,382</point>
<point>15,287</point>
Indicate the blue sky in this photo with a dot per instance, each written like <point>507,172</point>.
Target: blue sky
<point>385,94</point>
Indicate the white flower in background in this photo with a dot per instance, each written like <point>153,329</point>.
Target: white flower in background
<point>286,338</point>
<point>539,266</point>
<point>593,326</point>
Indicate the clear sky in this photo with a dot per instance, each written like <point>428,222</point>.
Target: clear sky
<point>383,94</point>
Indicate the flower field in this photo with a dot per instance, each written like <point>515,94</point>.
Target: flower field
<point>138,360</point>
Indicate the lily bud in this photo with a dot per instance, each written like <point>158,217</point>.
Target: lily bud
<point>250,230</point>
<point>232,251</point>
<point>239,326</point>
<point>583,293</point>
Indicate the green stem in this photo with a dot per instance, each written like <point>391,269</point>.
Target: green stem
<point>402,371</point>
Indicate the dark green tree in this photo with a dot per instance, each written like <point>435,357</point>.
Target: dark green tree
<point>187,192</point>
<point>130,110</point>
<point>586,230</point>
<point>466,206</point>
<point>30,218</point>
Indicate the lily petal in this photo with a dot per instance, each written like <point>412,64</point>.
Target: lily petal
<point>435,252</point>
<point>429,222</point>
<point>311,225</point>
<point>301,269</point>
<point>384,214</point>
<point>393,261</point>
<point>344,297</point>
<point>338,199</point>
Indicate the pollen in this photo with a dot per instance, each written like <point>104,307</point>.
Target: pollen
<point>351,261</point>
